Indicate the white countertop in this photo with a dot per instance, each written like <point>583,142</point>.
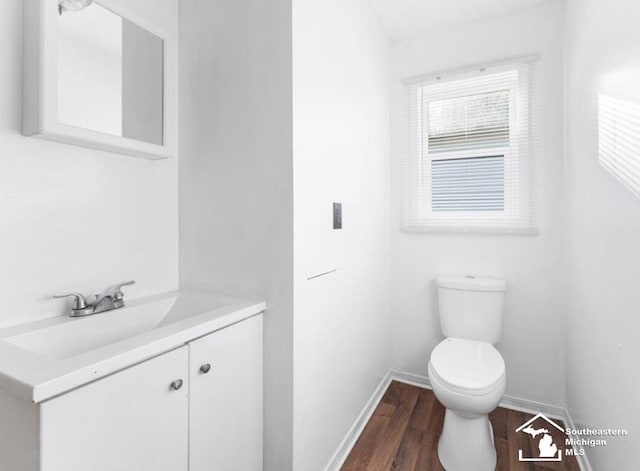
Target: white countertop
<point>36,364</point>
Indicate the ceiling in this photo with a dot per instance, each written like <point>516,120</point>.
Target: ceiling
<point>404,19</point>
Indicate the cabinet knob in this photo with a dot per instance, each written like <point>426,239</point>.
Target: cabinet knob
<point>204,369</point>
<point>177,384</point>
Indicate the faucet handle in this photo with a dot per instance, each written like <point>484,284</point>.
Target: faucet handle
<point>116,290</point>
<point>79,301</point>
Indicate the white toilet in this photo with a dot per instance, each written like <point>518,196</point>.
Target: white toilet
<point>466,371</point>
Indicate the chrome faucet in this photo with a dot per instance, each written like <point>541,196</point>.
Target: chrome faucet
<point>111,298</point>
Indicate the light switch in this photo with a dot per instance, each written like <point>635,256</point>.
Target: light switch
<point>337,215</point>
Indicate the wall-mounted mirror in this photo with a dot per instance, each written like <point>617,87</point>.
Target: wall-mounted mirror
<point>107,77</point>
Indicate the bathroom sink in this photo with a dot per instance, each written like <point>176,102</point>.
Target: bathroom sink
<point>81,335</point>
<point>41,359</point>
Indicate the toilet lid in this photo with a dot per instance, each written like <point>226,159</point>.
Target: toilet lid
<point>467,364</point>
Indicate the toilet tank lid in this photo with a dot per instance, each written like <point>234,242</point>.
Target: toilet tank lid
<point>471,282</point>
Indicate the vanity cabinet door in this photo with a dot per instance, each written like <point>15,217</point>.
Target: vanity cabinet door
<point>134,420</point>
<point>226,399</point>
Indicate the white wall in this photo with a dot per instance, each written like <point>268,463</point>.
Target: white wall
<point>341,154</point>
<point>603,387</point>
<point>73,218</point>
<point>532,341</point>
<point>236,183</point>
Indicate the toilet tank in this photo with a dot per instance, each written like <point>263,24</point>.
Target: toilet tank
<point>471,307</point>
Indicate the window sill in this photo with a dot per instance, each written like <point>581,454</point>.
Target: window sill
<point>471,231</point>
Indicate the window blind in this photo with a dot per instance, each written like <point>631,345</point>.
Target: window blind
<point>474,183</point>
<point>470,150</point>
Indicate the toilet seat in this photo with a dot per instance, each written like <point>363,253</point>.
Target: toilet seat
<point>468,367</point>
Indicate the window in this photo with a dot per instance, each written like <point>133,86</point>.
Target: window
<point>470,153</point>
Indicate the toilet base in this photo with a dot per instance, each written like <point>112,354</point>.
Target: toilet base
<point>466,443</point>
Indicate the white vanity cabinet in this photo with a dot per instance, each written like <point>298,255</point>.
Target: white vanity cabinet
<point>225,422</point>
<point>132,420</point>
<point>195,408</point>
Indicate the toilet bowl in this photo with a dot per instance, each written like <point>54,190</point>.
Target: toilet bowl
<point>468,378</point>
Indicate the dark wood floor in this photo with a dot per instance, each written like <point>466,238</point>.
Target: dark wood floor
<point>403,435</point>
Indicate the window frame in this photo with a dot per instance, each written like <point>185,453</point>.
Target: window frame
<point>508,220</point>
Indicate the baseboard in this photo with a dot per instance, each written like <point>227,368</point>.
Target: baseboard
<point>533,407</point>
<point>341,454</point>
<point>410,378</point>
<point>583,461</point>
<point>508,402</point>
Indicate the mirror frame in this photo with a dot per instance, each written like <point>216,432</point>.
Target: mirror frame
<point>40,84</point>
